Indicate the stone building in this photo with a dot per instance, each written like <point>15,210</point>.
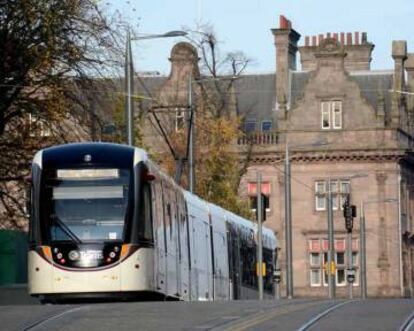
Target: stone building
<point>343,123</point>
<point>346,124</point>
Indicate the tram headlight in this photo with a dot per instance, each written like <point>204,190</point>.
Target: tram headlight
<point>73,255</point>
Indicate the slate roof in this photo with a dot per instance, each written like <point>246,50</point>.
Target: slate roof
<point>373,84</point>
<point>256,96</point>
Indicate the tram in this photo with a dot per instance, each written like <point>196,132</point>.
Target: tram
<point>106,223</point>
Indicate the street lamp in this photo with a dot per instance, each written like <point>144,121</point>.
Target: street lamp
<point>362,237</point>
<point>288,217</point>
<point>129,68</point>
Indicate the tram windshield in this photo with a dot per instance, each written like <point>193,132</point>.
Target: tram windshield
<point>84,207</point>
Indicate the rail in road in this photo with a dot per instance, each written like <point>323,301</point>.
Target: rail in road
<point>408,323</point>
<point>44,322</point>
<point>297,314</point>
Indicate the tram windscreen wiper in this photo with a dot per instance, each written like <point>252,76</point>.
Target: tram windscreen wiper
<point>66,229</point>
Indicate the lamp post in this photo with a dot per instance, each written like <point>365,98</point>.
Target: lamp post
<point>129,69</point>
<point>191,131</point>
<point>362,239</point>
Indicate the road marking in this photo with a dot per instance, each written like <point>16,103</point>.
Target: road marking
<point>324,313</point>
<point>246,323</point>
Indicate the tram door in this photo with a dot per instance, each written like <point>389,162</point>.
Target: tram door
<point>234,263</point>
<point>170,212</point>
<point>182,246</point>
<point>160,237</point>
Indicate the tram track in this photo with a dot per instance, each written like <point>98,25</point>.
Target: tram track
<point>42,323</point>
<point>408,323</point>
<point>263,317</point>
<point>309,324</point>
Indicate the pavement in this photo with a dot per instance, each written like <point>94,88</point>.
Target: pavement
<point>16,295</point>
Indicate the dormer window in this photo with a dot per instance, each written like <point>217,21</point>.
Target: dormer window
<point>250,125</point>
<point>331,115</point>
<point>266,125</point>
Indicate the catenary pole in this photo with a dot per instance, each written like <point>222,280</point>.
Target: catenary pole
<point>129,115</point>
<point>191,173</point>
<point>288,226</point>
<point>259,235</point>
<point>363,275</point>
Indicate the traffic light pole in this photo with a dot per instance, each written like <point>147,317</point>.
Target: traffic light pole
<point>331,253</point>
<point>350,266</point>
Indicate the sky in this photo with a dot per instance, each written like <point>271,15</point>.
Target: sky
<point>244,25</point>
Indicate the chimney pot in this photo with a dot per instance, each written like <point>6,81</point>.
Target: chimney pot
<point>328,35</point>
<point>314,41</point>
<point>306,40</point>
<point>364,38</point>
<point>342,38</point>
<point>283,22</point>
<point>320,39</point>
<point>335,36</point>
<point>356,39</point>
<point>349,38</point>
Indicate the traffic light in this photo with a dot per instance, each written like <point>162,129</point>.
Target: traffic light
<point>349,214</point>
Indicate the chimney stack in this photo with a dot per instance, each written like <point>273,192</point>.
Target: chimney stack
<point>409,67</point>
<point>357,48</point>
<point>286,42</point>
<point>399,54</point>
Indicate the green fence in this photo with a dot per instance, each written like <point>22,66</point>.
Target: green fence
<point>13,257</point>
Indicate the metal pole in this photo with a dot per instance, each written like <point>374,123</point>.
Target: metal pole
<point>259,235</point>
<point>191,178</point>
<point>288,226</point>
<point>129,115</point>
<point>400,264</point>
<point>350,264</point>
<point>362,258</point>
<point>331,252</point>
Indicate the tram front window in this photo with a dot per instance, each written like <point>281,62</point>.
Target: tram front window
<point>86,209</point>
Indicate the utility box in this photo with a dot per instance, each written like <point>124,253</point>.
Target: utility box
<point>13,257</point>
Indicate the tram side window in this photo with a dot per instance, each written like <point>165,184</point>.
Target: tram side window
<point>248,256</point>
<point>267,279</point>
<point>145,230</point>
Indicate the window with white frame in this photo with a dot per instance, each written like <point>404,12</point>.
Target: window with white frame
<point>339,190</point>
<point>179,119</point>
<point>318,263</point>
<point>331,115</point>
